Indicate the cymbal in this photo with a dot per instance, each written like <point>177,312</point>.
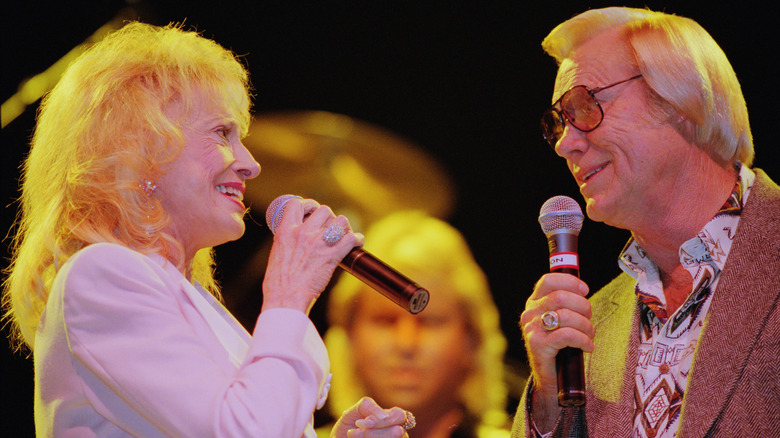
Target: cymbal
<point>359,169</point>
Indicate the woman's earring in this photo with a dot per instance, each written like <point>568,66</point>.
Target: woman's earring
<point>148,187</point>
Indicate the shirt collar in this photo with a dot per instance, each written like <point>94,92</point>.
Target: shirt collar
<point>699,249</point>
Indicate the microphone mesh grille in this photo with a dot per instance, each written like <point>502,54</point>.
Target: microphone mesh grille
<point>561,212</point>
<point>275,211</point>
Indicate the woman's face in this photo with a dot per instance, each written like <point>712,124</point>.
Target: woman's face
<point>203,189</point>
<point>414,361</point>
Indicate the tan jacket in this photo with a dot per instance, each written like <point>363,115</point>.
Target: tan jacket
<point>734,386</point>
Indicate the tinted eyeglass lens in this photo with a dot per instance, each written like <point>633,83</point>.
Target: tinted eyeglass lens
<point>581,109</point>
<point>552,126</point>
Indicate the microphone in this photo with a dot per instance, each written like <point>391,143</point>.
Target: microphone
<point>365,267</point>
<point>561,220</point>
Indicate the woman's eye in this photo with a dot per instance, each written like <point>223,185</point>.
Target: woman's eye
<point>224,135</point>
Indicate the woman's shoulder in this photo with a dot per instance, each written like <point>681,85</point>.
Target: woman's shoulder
<point>108,254</point>
<point>119,275</point>
<point>103,249</point>
<point>109,261</point>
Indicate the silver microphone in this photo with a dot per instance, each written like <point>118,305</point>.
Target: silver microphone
<point>561,220</point>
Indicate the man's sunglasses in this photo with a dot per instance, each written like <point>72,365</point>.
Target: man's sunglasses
<point>580,107</point>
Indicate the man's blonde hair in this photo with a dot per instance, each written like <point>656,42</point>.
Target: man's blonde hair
<point>682,64</point>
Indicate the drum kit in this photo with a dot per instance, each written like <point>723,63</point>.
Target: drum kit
<point>359,169</point>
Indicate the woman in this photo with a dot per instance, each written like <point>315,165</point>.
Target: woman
<point>445,363</point>
<point>136,170</point>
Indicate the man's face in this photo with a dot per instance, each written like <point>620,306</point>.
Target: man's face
<point>415,361</point>
<point>628,165</point>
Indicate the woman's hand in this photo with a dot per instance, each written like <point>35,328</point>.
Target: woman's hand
<point>366,419</point>
<point>302,262</point>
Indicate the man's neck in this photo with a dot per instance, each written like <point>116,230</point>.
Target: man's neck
<point>677,286</point>
<point>438,426</point>
<point>688,211</point>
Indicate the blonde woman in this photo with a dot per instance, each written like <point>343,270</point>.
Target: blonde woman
<point>136,171</point>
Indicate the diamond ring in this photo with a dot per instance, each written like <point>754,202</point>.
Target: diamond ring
<point>333,234</point>
<point>409,421</point>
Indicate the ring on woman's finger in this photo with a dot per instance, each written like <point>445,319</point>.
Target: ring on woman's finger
<point>409,421</point>
<point>333,234</point>
<point>550,320</point>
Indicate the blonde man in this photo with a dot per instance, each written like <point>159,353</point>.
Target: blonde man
<point>445,363</point>
<point>650,118</point>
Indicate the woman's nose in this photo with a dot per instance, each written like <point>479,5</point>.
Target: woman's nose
<point>247,166</point>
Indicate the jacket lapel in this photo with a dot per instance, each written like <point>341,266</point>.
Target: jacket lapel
<point>610,397</point>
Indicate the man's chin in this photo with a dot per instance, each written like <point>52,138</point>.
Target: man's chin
<point>595,210</point>
<point>408,399</point>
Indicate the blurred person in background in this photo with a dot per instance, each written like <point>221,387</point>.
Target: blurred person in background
<point>445,363</point>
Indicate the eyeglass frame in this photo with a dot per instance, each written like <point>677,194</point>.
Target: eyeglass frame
<point>552,112</point>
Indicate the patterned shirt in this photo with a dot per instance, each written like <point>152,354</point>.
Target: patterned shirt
<point>667,342</point>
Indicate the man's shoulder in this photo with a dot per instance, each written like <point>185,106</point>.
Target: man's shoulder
<point>765,188</point>
<point>759,221</point>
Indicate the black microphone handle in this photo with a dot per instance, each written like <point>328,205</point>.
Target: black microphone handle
<point>385,280</point>
<point>365,267</point>
<point>569,364</point>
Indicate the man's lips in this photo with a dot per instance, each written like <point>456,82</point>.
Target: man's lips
<point>588,175</point>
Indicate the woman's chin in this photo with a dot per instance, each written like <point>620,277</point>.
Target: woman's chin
<point>232,231</point>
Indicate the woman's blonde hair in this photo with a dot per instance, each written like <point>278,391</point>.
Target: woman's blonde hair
<point>101,133</point>
<point>682,64</point>
<point>413,242</point>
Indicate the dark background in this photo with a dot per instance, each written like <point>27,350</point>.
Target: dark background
<point>465,81</point>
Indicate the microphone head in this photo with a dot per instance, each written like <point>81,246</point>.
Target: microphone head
<point>561,213</point>
<point>275,211</point>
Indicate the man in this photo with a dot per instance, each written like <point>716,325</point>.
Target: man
<point>651,120</point>
<point>444,364</point>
